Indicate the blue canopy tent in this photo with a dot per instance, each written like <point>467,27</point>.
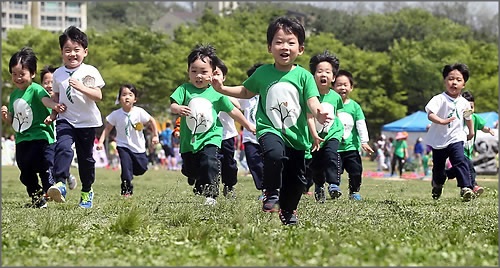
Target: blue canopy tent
<point>415,124</point>
<point>490,117</point>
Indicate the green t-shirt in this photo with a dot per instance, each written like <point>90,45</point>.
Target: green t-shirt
<point>202,127</point>
<point>399,147</point>
<point>28,113</point>
<point>478,123</point>
<point>282,107</point>
<point>331,103</point>
<point>349,115</point>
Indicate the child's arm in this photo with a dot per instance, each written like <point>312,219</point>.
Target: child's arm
<point>486,129</point>
<point>235,102</point>
<point>104,134</point>
<point>317,110</point>
<point>6,116</point>
<point>363,135</point>
<point>470,126</point>
<point>181,110</point>
<point>235,91</point>
<point>152,122</point>
<point>312,129</point>
<point>438,120</point>
<point>236,114</point>
<point>94,93</point>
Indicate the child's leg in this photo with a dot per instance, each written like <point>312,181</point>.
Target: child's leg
<point>460,162</point>
<point>472,170</point>
<point>191,167</point>
<point>273,151</point>
<point>253,155</point>
<point>439,157</point>
<point>293,181</point>
<point>48,180</point>
<point>209,173</point>
<point>63,155</point>
<point>229,167</point>
<point>315,168</point>
<point>309,174</point>
<point>126,169</point>
<point>331,162</point>
<point>25,162</point>
<point>351,161</point>
<point>84,145</point>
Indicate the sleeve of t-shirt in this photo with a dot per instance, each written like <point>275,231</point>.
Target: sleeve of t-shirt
<point>223,104</point>
<point>252,82</point>
<point>98,82</point>
<point>144,116</point>
<point>111,118</point>
<point>433,105</point>
<point>41,93</point>
<point>479,122</point>
<point>178,96</point>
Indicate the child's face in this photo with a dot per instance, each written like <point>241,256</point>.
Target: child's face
<point>343,86</point>
<point>454,83</point>
<point>472,105</point>
<point>47,83</point>
<point>200,73</point>
<point>21,77</point>
<point>285,49</point>
<point>218,73</point>
<point>73,54</point>
<point>127,98</point>
<point>324,75</point>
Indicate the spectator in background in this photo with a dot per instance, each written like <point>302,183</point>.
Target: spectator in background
<point>166,143</point>
<point>418,151</point>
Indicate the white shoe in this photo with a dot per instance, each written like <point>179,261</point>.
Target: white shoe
<point>72,182</point>
<point>210,201</point>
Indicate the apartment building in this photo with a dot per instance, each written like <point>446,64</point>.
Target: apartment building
<point>53,16</point>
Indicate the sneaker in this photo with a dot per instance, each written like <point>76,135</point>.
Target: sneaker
<point>210,201</point>
<point>270,203</point>
<point>57,192</point>
<point>210,190</point>
<point>319,194</point>
<point>467,194</point>
<point>334,191</point>
<point>229,192</point>
<point>437,190</point>
<point>72,182</point>
<point>478,190</point>
<point>261,196</point>
<point>355,196</point>
<point>38,200</point>
<point>86,199</point>
<point>288,217</point>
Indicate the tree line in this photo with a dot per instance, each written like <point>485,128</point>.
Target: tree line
<point>396,58</point>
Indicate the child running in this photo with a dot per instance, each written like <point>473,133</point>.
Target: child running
<point>286,92</point>
<point>28,108</point>
<point>201,132</point>
<point>129,122</point>
<point>355,135</point>
<point>325,161</point>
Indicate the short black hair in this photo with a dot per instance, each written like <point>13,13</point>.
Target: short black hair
<point>131,87</point>
<point>253,68</point>
<point>288,25</point>
<point>461,67</point>
<point>26,57</point>
<point>468,96</point>
<point>325,56</point>
<point>346,74</point>
<point>47,69</point>
<point>74,34</point>
<point>222,66</point>
<point>202,52</point>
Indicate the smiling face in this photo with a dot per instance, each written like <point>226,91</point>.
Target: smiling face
<point>454,83</point>
<point>343,86</point>
<point>21,77</point>
<point>127,98</point>
<point>47,82</point>
<point>200,73</point>
<point>73,54</point>
<point>285,49</point>
<point>324,76</point>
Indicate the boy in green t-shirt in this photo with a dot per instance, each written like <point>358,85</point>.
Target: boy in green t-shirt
<point>399,153</point>
<point>28,108</point>
<point>355,134</point>
<point>201,132</point>
<point>325,158</point>
<point>479,124</point>
<point>287,92</point>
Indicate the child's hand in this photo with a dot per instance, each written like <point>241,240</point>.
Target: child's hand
<point>60,108</point>
<point>184,110</point>
<point>74,83</point>
<point>48,120</point>
<point>470,136</point>
<point>317,140</point>
<point>367,148</point>
<point>155,140</point>
<point>322,117</point>
<point>99,146</point>
<point>5,112</point>
<point>216,82</point>
<point>252,129</point>
<point>448,120</point>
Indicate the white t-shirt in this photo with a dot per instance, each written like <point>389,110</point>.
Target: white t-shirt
<point>228,127</point>
<point>440,136</point>
<point>126,135</point>
<point>249,108</point>
<point>81,111</point>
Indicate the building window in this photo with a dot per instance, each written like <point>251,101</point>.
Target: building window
<point>18,19</point>
<point>73,7</point>
<point>52,7</point>
<point>73,21</point>
<point>19,5</point>
<point>51,21</point>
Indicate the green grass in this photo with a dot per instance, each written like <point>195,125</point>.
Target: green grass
<point>165,224</point>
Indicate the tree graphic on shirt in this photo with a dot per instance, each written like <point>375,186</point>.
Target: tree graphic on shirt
<point>200,120</point>
<point>21,119</point>
<point>284,113</point>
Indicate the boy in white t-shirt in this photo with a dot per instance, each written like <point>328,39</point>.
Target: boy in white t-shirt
<point>78,86</point>
<point>447,112</point>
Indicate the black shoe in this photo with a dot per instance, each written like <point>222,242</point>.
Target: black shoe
<point>319,194</point>
<point>191,180</point>
<point>437,190</point>
<point>38,200</point>
<point>210,190</point>
<point>288,217</point>
<point>270,203</point>
<point>229,192</point>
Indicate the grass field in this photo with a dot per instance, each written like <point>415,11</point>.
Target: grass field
<point>165,224</point>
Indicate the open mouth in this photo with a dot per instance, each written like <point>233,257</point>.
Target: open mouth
<point>284,55</point>
<point>323,80</point>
